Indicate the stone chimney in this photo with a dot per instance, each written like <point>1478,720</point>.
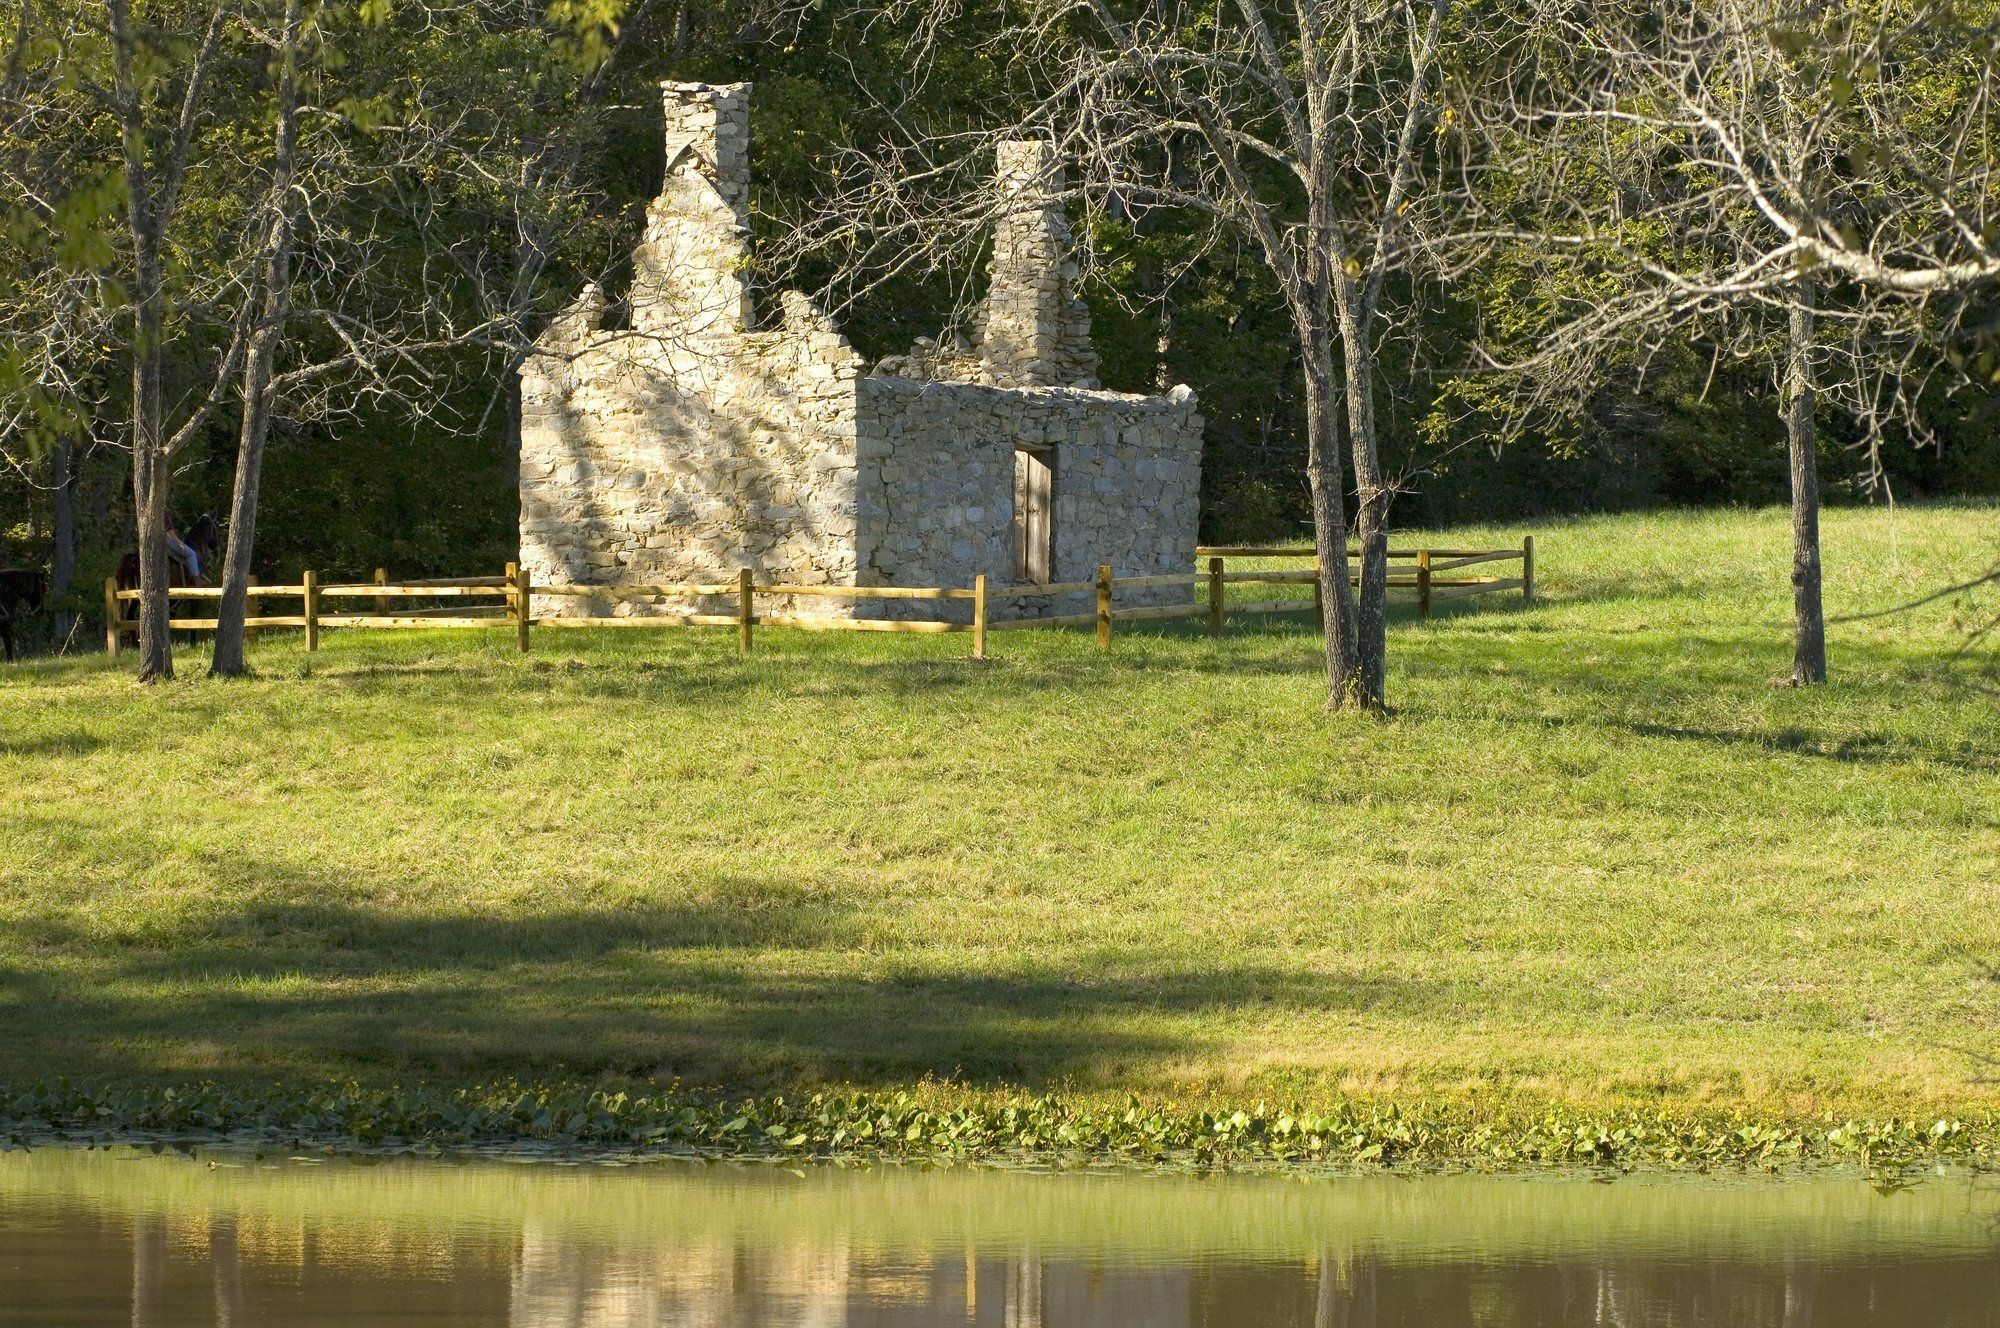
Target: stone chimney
<point>689,268</point>
<point>1034,331</point>
<point>708,130</point>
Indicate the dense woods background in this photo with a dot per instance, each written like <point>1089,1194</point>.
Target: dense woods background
<point>433,493</point>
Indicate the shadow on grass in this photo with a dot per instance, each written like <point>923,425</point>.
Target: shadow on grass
<point>660,1012</point>
<point>749,981</point>
<point>655,1017</point>
<point>68,743</point>
<point>1845,748</point>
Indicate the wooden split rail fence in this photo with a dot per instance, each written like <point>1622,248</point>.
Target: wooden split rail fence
<point>1419,582</point>
<point>1416,576</point>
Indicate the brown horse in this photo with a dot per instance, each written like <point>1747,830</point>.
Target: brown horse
<point>204,542</point>
<point>21,592</point>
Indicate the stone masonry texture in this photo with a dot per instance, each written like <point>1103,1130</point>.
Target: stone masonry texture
<point>690,443</point>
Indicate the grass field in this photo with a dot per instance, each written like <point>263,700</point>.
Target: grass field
<point>1593,859</point>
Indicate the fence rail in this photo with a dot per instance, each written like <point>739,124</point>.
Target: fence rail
<point>515,593</point>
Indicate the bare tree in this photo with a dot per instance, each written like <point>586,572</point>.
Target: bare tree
<point>132,88</point>
<point>1307,130</point>
<point>306,279</point>
<point>1804,184</point>
<point>354,337</point>
<point>332,325</point>
<point>259,364</point>
<point>157,103</point>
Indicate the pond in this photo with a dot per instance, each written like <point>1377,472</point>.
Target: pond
<point>128,1236</point>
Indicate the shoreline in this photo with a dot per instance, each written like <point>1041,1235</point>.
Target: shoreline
<point>570,1121</point>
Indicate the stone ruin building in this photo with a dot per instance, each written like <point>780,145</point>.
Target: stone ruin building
<point>689,441</point>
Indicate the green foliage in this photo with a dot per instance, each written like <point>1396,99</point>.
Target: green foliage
<point>941,1123</point>
<point>452,124</point>
<point>1172,301</point>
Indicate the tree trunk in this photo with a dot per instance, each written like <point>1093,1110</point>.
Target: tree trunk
<point>258,366</point>
<point>1802,442</point>
<point>150,472</point>
<point>62,550</point>
<point>1372,514</point>
<point>234,607</point>
<point>150,475</point>
<point>1345,686</point>
<point>149,205</point>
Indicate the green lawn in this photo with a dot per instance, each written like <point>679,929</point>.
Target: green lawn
<point>1593,858</point>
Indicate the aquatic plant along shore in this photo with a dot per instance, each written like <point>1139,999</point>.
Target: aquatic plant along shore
<point>941,1123</point>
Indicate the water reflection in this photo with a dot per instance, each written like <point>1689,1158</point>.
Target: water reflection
<point>115,1238</point>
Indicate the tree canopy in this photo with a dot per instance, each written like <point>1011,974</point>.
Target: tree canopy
<point>477,162</point>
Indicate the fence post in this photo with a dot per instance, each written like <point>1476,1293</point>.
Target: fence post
<point>979,616</point>
<point>381,579</point>
<point>311,584</point>
<point>745,617</point>
<point>249,611</point>
<point>1423,583</point>
<point>1215,597</point>
<point>1104,605</point>
<point>112,608</point>
<point>1527,569</point>
<point>527,598</point>
<point>517,603</point>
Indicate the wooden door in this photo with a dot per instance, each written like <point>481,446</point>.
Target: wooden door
<point>1034,515</point>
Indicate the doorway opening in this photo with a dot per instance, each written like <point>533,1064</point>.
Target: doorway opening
<point>1034,514</point>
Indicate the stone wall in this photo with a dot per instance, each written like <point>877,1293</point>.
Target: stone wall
<point>689,444</point>
<point>641,470</point>
<point>936,487</point>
